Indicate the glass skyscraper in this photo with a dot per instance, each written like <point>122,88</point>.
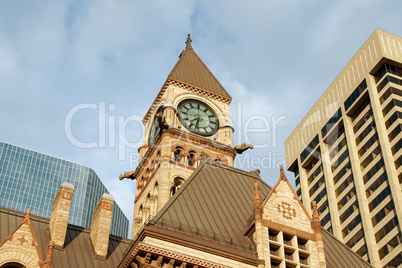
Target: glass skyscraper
<point>29,179</point>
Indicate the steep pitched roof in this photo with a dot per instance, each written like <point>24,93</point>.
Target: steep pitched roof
<point>78,250</point>
<point>215,202</point>
<point>191,70</point>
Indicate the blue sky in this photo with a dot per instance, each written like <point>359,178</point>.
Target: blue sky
<point>275,58</point>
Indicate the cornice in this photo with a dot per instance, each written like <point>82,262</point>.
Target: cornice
<point>183,85</point>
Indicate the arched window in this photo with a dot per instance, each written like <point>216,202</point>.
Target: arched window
<point>217,160</point>
<point>192,159</point>
<point>154,200</point>
<point>177,183</point>
<point>140,217</point>
<point>147,209</point>
<point>178,154</point>
<point>140,183</point>
<point>12,265</point>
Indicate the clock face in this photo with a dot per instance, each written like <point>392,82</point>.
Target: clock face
<point>198,117</point>
<point>155,128</point>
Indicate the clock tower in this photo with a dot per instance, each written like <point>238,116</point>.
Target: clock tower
<point>188,121</point>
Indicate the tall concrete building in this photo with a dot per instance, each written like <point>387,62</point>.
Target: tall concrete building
<point>346,155</point>
<point>29,179</point>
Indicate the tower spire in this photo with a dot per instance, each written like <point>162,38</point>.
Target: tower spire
<point>188,42</point>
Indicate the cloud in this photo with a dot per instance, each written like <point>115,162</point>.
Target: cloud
<point>275,58</point>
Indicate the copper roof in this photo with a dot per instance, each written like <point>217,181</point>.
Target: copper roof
<point>191,72</point>
<point>78,250</point>
<point>337,254</point>
<point>216,204</point>
<point>216,201</point>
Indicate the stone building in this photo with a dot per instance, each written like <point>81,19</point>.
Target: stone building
<point>346,155</point>
<point>193,209</point>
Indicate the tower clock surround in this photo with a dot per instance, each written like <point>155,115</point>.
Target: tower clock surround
<point>198,117</point>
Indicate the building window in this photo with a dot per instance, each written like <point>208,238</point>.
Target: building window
<point>363,120</point>
<point>287,239</point>
<point>331,122</point>
<point>373,171</point>
<point>394,133</point>
<point>375,185</point>
<point>177,183</point>
<point>393,243</point>
<point>387,68</point>
<point>346,198</point>
<point>391,105</point>
<point>178,155</point>
<point>340,160</point>
<point>349,211</point>
<point>317,185</point>
<point>351,226</point>
<point>387,80</point>
<point>386,229</point>
<point>380,197</point>
<point>365,133</point>
<point>273,235</point>
<point>394,117</point>
<point>355,94</point>
<point>309,148</point>
<point>12,265</point>
<point>367,145</point>
<point>355,239</point>
<point>390,92</point>
<point>192,158</point>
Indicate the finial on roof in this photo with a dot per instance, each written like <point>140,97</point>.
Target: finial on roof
<point>188,42</point>
<point>49,254</point>
<point>283,176</point>
<point>257,200</point>
<point>316,217</point>
<point>316,224</point>
<point>28,213</point>
<point>255,172</point>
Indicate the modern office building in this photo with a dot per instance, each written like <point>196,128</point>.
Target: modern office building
<point>29,179</point>
<point>346,155</point>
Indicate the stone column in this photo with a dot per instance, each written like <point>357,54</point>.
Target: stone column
<point>258,227</point>
<point>101,223</point>
<point>60,214</point>
<point>316,225</point>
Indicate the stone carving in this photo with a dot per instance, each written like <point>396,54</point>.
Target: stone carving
<point>243,147</point>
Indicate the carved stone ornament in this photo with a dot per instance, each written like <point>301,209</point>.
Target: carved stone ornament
<point>243,147</point>
<point>286,210</point>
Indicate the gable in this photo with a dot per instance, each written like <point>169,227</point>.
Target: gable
<point>282,206</point>
<point>20,246</point>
